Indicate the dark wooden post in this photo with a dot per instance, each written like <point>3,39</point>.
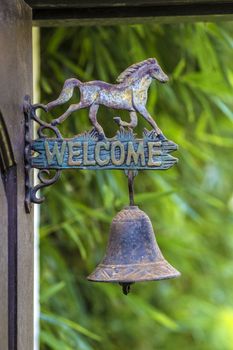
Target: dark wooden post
<point>16,227</point>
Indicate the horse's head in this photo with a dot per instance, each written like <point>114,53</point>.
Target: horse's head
<point>138,70</point>
<point>156,71</point>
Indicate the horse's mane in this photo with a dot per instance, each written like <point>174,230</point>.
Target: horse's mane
<point>131,70</point>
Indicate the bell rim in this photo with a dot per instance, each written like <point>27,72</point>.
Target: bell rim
<point>138,280</point>
<point>161,270</point>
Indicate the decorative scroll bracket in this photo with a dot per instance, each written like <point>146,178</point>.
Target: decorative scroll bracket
<point>30,191</point>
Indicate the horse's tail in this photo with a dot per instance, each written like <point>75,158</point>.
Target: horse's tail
<point>66,93</point>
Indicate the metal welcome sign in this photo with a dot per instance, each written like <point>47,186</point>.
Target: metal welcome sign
<point>93,150</point>
<point>85,151</point>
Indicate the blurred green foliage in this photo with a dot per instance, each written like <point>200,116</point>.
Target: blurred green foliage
<point>191,205</point>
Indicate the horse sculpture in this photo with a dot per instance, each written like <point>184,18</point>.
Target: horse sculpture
<point>130,94</point>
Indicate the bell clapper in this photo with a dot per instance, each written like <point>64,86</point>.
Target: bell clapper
<point>125,287</point>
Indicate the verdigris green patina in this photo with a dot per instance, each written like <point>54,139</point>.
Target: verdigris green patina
<point>85,151</point>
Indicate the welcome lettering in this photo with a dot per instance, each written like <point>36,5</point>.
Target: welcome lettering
<point>106,154</point>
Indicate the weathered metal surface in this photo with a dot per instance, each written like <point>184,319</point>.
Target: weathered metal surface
<point>130,93</point>
<point>92,150</point>
<point>132,253</point>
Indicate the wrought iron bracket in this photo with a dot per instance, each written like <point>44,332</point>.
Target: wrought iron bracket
<point>44,175</point>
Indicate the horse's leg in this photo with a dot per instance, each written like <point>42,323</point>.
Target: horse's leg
<point>93,118</point>
<point>142,110</point>
<point>133,120</point>
<point>70,110</point>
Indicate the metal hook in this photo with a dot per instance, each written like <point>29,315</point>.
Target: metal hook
<point>131,175</point>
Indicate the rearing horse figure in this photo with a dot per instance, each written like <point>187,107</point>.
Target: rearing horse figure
<point>130,94</point>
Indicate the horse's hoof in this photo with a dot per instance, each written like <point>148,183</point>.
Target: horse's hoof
<point>45,108</point>
<point>54,122</point>
<point>101,137</point>
<point>161,137</point>
<point>42,106</point>
<point>117,120</point>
